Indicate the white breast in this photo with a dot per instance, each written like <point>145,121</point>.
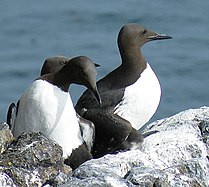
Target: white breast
<point>47,109</point>
<point>140,100</point>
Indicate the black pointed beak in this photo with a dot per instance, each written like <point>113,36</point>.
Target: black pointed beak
<point>96,94</point>
<point>96,65</point>
<point>158,36</point>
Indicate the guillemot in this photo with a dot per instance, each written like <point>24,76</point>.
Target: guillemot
<point>46,107</point>
<point>130,94</point>
<point>54,64</point>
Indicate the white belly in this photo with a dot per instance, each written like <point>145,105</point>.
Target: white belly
<point>140,100</point>
<point>45,108</point>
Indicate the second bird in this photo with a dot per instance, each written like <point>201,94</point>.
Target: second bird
<point>130,94</point>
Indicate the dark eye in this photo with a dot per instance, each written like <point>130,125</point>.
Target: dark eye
<point>63,62</point>
<point>144,31</point>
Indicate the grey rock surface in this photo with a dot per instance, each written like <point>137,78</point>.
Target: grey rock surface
<point>31,160</point>
<point>6,137</point>
<point>178,155</point>
<point>175,156</point>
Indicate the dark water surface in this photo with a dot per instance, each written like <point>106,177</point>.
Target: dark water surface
<point>31,31</point>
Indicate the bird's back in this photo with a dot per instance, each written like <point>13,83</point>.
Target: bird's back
<point>45,108</point>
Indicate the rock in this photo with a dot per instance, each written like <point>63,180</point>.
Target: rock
<point>177,155</point>
<point>32,160</point>
<point>6,137</point>
<point>5,180</point>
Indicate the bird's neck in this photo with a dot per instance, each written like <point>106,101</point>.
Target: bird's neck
<point>133,64</point>
<point>133,59</point>
<point>61,82</point>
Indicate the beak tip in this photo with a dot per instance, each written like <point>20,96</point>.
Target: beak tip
<point>96,94</point>
<point>169,37</point>
<point>100,103</point>
<point>97,65</point>
<point>98,98</point>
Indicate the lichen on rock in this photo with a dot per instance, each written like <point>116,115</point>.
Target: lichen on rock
<point>32,159</point>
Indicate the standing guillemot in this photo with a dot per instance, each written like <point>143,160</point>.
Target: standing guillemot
<point>130,94</point>
<point>46,107</point>
<point>54,64</point>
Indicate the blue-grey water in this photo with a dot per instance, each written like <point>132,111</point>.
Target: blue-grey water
<point>31,31</point>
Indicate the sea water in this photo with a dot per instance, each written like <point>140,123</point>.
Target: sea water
<point>31,31</point>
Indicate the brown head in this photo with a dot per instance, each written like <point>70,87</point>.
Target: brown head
<point>53,64</point>
<point>79,70</point>
<point>135,36</point>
